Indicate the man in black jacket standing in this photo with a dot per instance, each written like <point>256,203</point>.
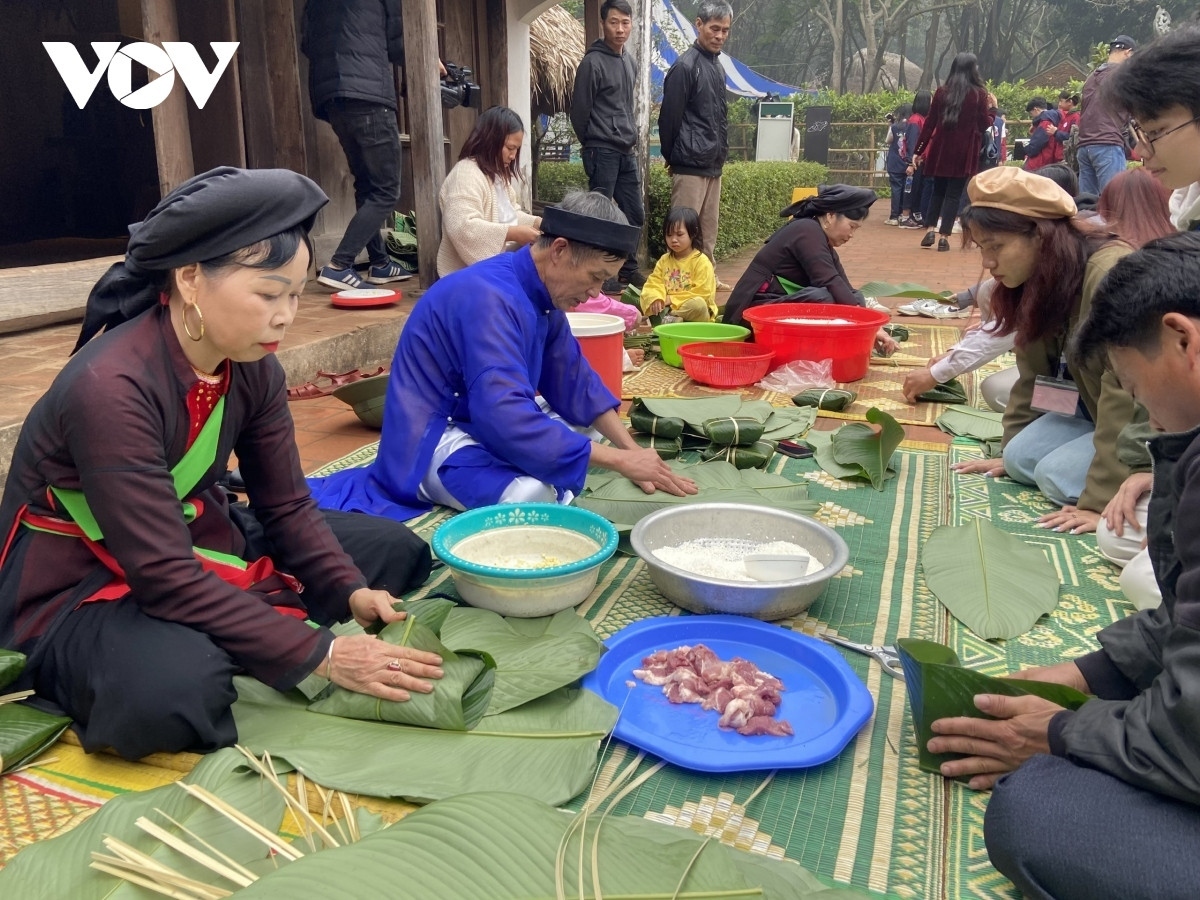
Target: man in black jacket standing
<point>351,46</point>
<point>692,123</point>
<point>602,116</point>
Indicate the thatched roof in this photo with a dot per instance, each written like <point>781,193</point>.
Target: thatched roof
<point>555,51</point>
<point>889,75</point>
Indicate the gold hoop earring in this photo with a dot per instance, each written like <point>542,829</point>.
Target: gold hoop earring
<point>188,331</point>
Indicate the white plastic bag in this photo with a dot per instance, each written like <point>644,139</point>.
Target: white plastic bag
<point>799,375</point>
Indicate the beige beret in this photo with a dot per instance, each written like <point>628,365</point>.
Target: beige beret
<point>1021,192</point>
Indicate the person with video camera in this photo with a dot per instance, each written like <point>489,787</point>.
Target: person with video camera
<point>351,46</point>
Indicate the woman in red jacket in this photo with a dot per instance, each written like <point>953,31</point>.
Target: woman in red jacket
<point>959,115</point>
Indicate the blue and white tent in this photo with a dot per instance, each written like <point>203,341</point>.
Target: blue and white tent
<point>672,34</point>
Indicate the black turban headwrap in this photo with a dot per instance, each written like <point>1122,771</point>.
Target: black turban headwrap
<point>831,198</point>
<point>206,217</point>
<point>616,238</point>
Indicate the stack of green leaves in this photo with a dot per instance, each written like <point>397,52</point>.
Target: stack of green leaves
<point>899,332</point>
<point>624,504</point>
<point>904,289</point>
<point>858,450</point>
<point>940,688</point>
<point>24,732</point>
<point>992,581</point>
<point>980,424</point>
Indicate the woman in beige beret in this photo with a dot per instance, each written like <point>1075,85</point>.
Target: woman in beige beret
<point>1064,418</point>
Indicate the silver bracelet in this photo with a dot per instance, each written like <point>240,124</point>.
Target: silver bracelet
<point>329,660</point>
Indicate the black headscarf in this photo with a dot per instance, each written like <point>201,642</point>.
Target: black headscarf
<point>831,198</point>
<point>206,217</point>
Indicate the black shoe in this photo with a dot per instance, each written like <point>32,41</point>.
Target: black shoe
<point>927,241</point>
<point>943,245</point>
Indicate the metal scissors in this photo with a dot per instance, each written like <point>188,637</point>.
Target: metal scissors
<point>885,656</point>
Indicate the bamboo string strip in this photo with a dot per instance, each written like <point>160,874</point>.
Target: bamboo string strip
<point>225,858</point>
<point>688,868</point>
<point>15,696</point>
<point>243,821</point>
<point>181,846</point>
<point>300,809</point>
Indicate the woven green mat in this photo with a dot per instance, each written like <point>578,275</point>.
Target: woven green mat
<point>869,817</point>
<point>1089,599</point>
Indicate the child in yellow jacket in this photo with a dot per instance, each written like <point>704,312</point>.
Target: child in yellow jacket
<point>684,278</point>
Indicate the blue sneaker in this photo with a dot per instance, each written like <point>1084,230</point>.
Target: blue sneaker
<point>387,272</point>
<point>339,279</point>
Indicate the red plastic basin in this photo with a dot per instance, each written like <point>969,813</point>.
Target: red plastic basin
<point>848,345</point>
<point>725,365</point>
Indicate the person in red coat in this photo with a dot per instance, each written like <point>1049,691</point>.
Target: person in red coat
<point>959,114</point>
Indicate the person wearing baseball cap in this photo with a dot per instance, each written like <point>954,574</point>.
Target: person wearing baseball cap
<point>1102,147</point>
<point>1063,417</point>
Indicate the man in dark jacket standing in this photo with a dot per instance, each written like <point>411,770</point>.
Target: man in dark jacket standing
<point>1102,126</point>
<point>602,116</point>
<point>351,46</point>
<point>692,124</point>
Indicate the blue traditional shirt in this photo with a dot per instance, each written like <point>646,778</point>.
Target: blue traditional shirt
<point>477,349</point>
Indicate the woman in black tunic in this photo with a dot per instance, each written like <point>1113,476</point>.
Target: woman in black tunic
<point>802,253</point>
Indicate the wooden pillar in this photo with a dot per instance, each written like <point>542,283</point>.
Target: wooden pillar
<point>283,84</point>
<point>591,22</point>
<point>458,42</point>
<point>172,136</point>
<point>493,46</point>
<point>639,44</point>
<point>424,128</point>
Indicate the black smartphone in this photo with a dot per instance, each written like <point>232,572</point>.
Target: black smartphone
<point>794,450</point>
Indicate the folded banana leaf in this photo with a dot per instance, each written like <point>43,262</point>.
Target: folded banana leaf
<point>632,295</point>
<point>25,733</point>
<point>533,656</point>
<point>666,448</point>
<point>832,399</point>
<point>641,419</point>
<point>459,699</point>
<point>788,423</point>
<point>754,456</point>
<point>695,411</point>
<point>733,430</point>
<point>12,664</point>
<point>899,332</point>
<point>939,687</point>
<point>857,450</point>
<point>950,392</point>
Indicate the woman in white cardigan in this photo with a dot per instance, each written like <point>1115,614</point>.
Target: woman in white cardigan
<point>481,214</point>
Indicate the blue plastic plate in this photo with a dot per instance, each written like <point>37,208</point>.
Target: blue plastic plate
<point>823,699</point>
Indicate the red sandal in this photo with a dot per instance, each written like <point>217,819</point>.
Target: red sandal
<point>325,383</point>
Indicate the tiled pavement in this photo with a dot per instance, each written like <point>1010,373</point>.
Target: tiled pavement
<point>326,429</point>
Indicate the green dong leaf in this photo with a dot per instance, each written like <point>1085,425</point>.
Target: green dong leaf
<point>939,688</point>
<point>993,582</point>
<point>950,392</point>
<point>867,450</point>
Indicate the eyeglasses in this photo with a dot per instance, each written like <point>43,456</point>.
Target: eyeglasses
<point>1140,135</point>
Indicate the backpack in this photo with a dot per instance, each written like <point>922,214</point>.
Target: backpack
<point>989,149</point>
<point>1071,149</point>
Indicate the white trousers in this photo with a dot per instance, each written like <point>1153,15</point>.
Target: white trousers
<point>1127,553</point>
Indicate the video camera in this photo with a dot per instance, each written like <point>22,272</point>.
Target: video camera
<point>457,87</point>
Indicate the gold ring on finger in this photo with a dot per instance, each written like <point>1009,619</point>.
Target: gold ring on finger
<point>396,665</point>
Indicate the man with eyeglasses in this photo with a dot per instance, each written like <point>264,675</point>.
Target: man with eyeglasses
<point>1160,89</point>
<point>1101,127</point>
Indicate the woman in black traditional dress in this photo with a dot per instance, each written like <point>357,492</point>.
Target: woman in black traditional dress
<point>133,585</point>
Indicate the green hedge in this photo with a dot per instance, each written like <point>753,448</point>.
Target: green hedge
<point>752,194</point>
